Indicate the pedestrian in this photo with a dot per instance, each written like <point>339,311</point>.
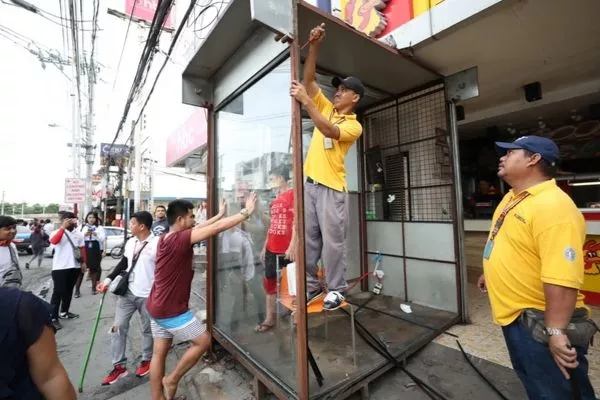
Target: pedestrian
<point>29,367</point>
<point>10,271</point>
<point>137,266</point>
<point>168,303</point>
<point>68,261</point>
<point>95,241</point>
<point>160,225</point>
<point>533,270</point>
<point>279,249</point>
<point>326,191</point>
<point>39,242</point>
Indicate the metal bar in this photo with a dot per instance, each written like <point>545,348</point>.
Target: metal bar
<point>425,139</point>
<point>413,258</point>
<point>297,161</point>
<point>362,208</point>
<point>461,281</point>
<point>407,188</point>
<point>353,329</point>
<point>212,201</point>
<point>315,367</point>
<point>406,93</point>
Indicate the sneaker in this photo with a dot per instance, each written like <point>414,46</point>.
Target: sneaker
<point>67,315</point>
<point>313,296</point>
<point>56,325</point>
<point>117,373</point>
<point>143,369</point>
<point>333,301</point>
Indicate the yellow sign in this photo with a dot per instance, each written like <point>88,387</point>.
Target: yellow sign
<point>591,257</point>
<point>364,15</point>
<point>421,6</point>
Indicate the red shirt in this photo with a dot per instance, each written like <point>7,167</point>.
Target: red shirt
<point>279,235</point>
<point>170,294</point>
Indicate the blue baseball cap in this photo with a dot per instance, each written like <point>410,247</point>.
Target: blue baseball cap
<point>535,144</point>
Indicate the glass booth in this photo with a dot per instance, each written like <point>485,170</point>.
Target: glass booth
<point>401,198</point>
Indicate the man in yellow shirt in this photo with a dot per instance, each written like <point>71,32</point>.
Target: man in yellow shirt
<point>533,259</point>
<point>325,190</point>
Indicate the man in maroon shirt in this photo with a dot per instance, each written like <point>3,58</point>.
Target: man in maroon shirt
<point>171,318</point>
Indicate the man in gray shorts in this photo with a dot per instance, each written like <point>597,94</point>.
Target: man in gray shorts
<point>168,303</point>
<point>325,190</point>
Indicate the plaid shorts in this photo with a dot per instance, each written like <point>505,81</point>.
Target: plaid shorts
<point>182,328</point>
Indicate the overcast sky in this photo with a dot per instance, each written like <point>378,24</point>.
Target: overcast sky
<point>35,157</point>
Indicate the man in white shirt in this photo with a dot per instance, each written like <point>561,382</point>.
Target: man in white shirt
<point>10,273</point>
<point>141,250</point>
<point>66,266</point>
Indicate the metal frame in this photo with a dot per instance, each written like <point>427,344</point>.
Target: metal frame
<point>263,377</point>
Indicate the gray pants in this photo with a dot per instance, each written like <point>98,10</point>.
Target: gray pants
<point>126,306</point>
<point>326,224</point>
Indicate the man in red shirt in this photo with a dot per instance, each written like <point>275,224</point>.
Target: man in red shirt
<point>280,246</point>
<point>168,303</point>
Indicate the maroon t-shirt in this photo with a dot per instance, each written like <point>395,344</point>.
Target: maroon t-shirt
<point>170,294</point>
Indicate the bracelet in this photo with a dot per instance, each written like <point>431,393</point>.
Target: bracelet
<point>554,331</point>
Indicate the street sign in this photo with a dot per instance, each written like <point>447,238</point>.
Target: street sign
<point>74,190</point>
<point>117,150</point>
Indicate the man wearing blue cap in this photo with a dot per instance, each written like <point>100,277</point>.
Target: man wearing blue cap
<point>325,190</point>
<point>533,270</point>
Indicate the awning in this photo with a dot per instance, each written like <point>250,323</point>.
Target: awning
<point>345,50</point>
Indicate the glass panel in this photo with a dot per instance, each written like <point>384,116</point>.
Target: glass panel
<point>253,154</point>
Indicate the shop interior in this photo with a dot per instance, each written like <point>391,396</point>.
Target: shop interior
<point>573,123</point>
<point>401,190</point>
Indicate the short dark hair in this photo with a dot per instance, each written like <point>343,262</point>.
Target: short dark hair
<point>6,221</point>
<point>546,168</point>
<point>48,220</point>
<point>144,218</point>
<point>161,206</point>
<point>67,215</point>
<point>282,171</point>
<point>178,208</point>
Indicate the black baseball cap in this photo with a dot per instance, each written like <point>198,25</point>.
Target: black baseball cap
<point>535,144</point>
<point>351,83</point>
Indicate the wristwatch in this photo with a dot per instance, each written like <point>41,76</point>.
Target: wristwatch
<point>245,213</point>
<point>554,331</point>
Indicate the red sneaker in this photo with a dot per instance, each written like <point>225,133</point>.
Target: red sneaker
<point>143,369</point>
<point>117,373</point>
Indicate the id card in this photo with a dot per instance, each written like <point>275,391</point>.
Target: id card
<point>487,251</point>
<point>328,143</point>
<point>90,244</point>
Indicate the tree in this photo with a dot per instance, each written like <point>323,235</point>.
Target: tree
<point>52,208</point>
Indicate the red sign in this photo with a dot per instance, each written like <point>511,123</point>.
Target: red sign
<point>188,138</point>
<point>144,10</point>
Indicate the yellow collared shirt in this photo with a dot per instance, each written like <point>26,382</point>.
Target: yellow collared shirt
<point>541,241</point>
<point>326,166</point>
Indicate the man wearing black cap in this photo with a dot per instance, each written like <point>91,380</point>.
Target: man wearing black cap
<point>326,191</point>
<point>533,270</point>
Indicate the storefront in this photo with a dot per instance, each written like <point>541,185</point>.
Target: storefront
<point>403,186</point>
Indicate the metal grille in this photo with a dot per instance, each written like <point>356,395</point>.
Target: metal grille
<point>413,139</point>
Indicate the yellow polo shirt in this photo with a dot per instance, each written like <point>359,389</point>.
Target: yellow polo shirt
<point>541,241</point>
<point>326,166</point>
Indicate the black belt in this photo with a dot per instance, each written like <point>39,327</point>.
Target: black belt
<point>311,180</point>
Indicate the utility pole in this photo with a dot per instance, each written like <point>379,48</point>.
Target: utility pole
<point>2,202</point>
<point>137,146</point>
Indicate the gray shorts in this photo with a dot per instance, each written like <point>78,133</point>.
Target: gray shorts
<point>182,328</point>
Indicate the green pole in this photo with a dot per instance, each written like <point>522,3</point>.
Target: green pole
<point>89,352</point>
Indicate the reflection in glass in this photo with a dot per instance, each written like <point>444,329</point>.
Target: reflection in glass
<point>253,154</point>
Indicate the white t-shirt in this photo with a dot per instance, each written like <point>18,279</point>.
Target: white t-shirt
<point>100,235</point>
<point>5,260</point>
<point>63,251</point>
<point>142,278</point>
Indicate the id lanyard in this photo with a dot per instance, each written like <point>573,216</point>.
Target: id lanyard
<point>490,243</point>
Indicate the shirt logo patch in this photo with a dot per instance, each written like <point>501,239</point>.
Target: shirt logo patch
<point>520,218</point>
<point>570,254</point>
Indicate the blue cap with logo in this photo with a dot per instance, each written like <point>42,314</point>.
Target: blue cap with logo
<point>535,144</point>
